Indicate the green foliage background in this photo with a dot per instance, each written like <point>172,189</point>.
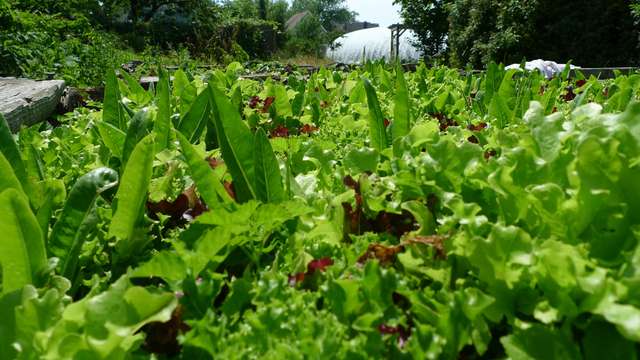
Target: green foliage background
<point>596,33</point>
<point>77,40</point>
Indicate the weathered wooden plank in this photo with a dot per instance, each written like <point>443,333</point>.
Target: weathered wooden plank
<point>25,102</point>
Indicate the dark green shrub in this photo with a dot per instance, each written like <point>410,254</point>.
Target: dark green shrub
<point>308,37</point>
<point>37,45</point>
<point>589,32</point>
<point>258,38</point>
<point>482,31</point>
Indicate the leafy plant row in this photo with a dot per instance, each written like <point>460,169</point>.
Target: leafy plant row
<point>352,215</point>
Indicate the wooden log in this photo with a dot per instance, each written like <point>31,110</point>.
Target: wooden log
<point>25,102</point>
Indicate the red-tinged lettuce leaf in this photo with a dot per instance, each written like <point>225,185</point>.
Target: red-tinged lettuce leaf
<point>319,264</point>
<point>234,138</point>
<point>386,255</point>
<point>267,104</point>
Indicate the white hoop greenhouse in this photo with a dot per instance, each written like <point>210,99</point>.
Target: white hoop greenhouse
<point>374,43</point>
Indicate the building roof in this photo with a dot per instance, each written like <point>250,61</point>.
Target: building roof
<point>295,20</point>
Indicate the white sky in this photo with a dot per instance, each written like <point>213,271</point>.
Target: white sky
<point>382,12</point>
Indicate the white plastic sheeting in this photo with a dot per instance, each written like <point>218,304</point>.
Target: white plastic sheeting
<point>375,43</point>
<point>548,68</point>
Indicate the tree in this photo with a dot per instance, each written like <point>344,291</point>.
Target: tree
<point>591,33</point>
<point>428,19</point>
<point>474,32</point>
<point>262,9</point>
<point>330,13</point>
<point>6,15</point>
<point>278,12</point>
<point>246,9</point>
<point>488,30</point>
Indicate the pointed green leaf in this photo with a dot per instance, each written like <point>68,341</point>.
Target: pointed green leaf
<point>66,241</point>
<point>10,150</point>
<point>162,126</point>
<point>401,121</point>
<point>22,253</point>
<point>500,110</point>
<point>269,186</point>
<point>376,119</point>
<point>132,192</point>
<point>282,104</point>
<point>8,179</point>
<point>136,92</point>
<point>211,138</point>
<point>236,143</point>
<point>33,163</point>
<point>208,185</point>
<point>492,82</point>
<point>53,195</point>
<point>112,111</point>
<point>183,91</point>
<point>138,128</point>
<point>195,120</point>
<point>112,137</point>
<point>507,89</point>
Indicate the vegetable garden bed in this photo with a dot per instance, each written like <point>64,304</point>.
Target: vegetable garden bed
<point>364,214</point>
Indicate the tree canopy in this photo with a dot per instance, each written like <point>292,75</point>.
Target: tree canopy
<point>474,32</point>
<point>329,12</point>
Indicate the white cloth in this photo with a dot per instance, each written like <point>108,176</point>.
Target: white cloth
<point>547,68</point>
